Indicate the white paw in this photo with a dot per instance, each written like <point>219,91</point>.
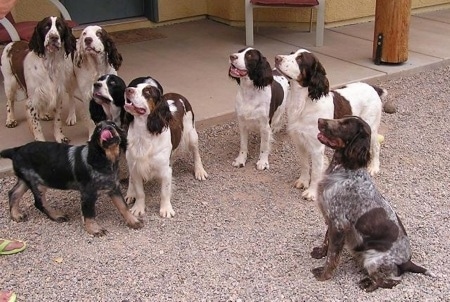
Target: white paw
<point>309,195</point>
<point>301,183</point>
<point>200,174</point>
<point>240,161</point>
<point>373,170</point>
<point>71,120</point>
<point>138,209</point>
<point>167,212</point>
<point>262,164</point>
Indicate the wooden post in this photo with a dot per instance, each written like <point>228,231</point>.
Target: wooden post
<point>390,42</point>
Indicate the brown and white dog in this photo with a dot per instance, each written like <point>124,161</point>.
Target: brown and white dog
<point>42,69</point>
<point>260,101</point>
<point>159,125</point>
<point>96,55</point>
<point>310,99</point>
<point>357,215</point>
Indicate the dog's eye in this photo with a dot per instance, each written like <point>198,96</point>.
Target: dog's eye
<point>113,82</point>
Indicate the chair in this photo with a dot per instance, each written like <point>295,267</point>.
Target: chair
<point>319,5</point>
<point>13,31</point>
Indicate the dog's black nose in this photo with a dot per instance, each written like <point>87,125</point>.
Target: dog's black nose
<point>97,85</point>
<point>88,40</point>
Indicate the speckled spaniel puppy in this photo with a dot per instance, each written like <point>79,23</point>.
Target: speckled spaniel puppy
<point>260,101</point>
<point>90,169</point>
<point>357,215</point>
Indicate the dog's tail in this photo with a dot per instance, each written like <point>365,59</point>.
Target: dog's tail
<point>8,153</point>
<point>411,267</point>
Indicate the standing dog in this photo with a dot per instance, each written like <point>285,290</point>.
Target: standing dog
<point>160,124</point>
<point>310,99</point>
<point>95,56</point>
<point>42,69</point>
<point>89,169</point>
<point>260,101</point>
<point>356,213</point>
<point>108,100</point>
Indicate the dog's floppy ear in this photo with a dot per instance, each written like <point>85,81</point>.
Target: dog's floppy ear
<point>36,43</point>
<point>69,40</point>
<point>319,84</point>
<point>357,151</point>
<point>159,118</point>
<point>259,70</point>
<point>114,57</point>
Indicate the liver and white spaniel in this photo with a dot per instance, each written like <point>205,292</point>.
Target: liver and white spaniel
<point>310,99</point>
<point>357,215</point>
<point>42,69</point>
<point>160,124</point>
<point>260,101</point>
<point>96,55</point>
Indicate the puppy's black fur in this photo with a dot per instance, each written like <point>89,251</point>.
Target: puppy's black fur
<point>86,168</point>
<point>108,100</point>
<point>357,215</point>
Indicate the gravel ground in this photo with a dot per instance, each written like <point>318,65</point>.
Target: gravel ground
<point>245,235</point>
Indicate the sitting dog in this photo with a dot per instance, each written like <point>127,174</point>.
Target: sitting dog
<point>309,99</point>
<point>356,213</point>
<point>260,101</point>
<point>87,168</point>
<point>108,100</point>
<point>159,125</point>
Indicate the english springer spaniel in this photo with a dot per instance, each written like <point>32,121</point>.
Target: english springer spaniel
<point>310,99</point>
<point>90,169</point>
<point>108,100</point>
<point>96,55</point>
<point>159,125</point>
<point>43,70</point>
<point>260,101</point>
<point>357,215</point>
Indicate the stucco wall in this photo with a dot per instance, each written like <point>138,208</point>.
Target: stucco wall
<point>232,11</point>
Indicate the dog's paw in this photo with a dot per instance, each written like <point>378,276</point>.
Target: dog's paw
<point>319,252</point>
<point>167,212</point>
<point>45,117</point>
<point>373,170</point>
<point>135,223</point>
<point>61,218</point>
<point>239,162</point>
<point>301,183</point>
<point>94,229</point>
<point>367,284</point>
<point>200,174</point>
<point>18,216</point>
<point>262,165</point>
<point>320,273</point>
<point>130,200</point>
<point>309,195</point>
<point>71,120</point>
<point>137,209</point>
<point>11,123</point>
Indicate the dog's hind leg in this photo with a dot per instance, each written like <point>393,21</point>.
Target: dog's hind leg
<point>15,194</point>
<point>41,203</point>
<point>199,171</point>
<point>321,251</point>
<point>11,86</point>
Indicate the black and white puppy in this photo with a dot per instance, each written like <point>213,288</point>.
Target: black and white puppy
<point>357,215</point>
<point>108,100</point>
<point>88,168</point>
<point>160,124</point>
<point>260,101</point>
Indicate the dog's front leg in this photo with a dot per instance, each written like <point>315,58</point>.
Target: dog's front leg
<point>317,161</point>
<point>33,121</point>
<point>136,192</point>
<point>119,202</point>
<point>336,240</point>
<point>57,124</point>
<point>166,209</point>
<point>242,157</point>
<point>266,136</point>
<point>88,199</point>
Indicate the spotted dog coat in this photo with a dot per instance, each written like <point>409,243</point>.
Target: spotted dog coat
<point>88,168</point>
<point>357,215</point>
<point>42,68</point>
